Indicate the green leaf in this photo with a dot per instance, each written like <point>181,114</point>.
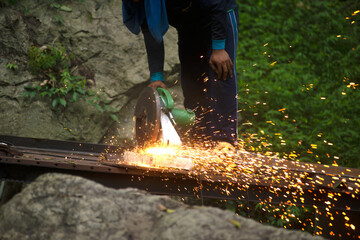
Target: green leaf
<point>107,108</point>
<point>114,117</point>
<point>81,91</point>
<point>52,76</point>
<point>280,222</point>
<point>62,101</point>
<point>75,96</point>
<point>63,91</point>
<point>98,107</point>
<point>55,102</point>
<point>32,94</point>
<point>258,206</point>
<point>237,224</point>
<point>90,93</point>
<point>65,8</point>
<point>55,5</point>
<point>25,94</point>
<point>12,66</point>
<point>45,94</point>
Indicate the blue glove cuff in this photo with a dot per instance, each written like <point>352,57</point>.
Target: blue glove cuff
<point>158,76</point>
<point>218,44</point>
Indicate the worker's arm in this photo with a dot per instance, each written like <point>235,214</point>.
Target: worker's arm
<point>220,61</point>
<point>155,54</point>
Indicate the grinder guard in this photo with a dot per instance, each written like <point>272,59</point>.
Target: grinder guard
<point>156,118</point>
<point>147,117</point>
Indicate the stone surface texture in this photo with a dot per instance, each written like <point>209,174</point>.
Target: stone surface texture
<point>59,206</point>
<point>106,52</point>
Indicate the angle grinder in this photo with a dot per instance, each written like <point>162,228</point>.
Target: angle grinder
<point>156,119</point>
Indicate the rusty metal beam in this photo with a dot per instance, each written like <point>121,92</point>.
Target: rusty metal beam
<point>80,161</point>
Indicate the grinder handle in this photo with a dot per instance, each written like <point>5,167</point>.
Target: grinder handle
<point>166,97</point>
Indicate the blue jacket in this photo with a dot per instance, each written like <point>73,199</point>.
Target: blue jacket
<point>153,17</point>
<point>151,11</point>
<point>195,14</point>
<point>179,13</point>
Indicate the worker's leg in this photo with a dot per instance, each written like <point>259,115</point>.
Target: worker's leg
<point>223,94</point>
<point>193,48</point>
<point>214,101</point>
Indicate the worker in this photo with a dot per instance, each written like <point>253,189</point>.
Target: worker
<point>207,40</point>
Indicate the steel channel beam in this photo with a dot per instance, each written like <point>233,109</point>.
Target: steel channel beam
<point>82,162</point>
<point>138,179</point>
<point>160,181</point>
<point>171,183</point>
<point>60,144</point>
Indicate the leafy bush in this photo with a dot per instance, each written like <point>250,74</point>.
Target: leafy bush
<point>278,215</point>
<point>52,65</point>
<point>298,79</point>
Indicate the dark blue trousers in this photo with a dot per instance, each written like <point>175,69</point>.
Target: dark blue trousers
<point>213,100</point>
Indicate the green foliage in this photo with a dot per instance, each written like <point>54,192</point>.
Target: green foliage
<point>285,216</point>
<point>59,19</point>
<point>52,65</point>
<point>12,66</point>
<point>60,7</point>
<point>298,70</point>
<point>278,215</point>
<point>48,60</point>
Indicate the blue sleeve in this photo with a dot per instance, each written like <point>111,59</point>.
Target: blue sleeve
<point>218,13</point>
<point>155,54</point>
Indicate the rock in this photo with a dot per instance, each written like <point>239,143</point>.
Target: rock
<point>111,58</point>
<point>58,206</point>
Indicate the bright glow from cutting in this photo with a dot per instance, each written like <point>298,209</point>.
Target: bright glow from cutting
<point>161,150</point>
<point>165,156</point>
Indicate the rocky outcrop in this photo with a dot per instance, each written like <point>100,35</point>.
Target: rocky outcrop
<point>106,53</point>
<point>58,206</point>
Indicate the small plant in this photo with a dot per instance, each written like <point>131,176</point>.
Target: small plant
<point>61,7</point>
<point>12,66</point>
<point>59,19</point>
<point>51,64</point>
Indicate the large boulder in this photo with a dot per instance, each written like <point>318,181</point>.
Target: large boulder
<point>58,206</point>
<point>106,53</point>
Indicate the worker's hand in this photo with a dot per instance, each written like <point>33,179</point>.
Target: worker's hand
<point>221,63</point>
<point>157,84</point>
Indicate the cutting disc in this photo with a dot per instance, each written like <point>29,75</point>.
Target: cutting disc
<point>147,117</point>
